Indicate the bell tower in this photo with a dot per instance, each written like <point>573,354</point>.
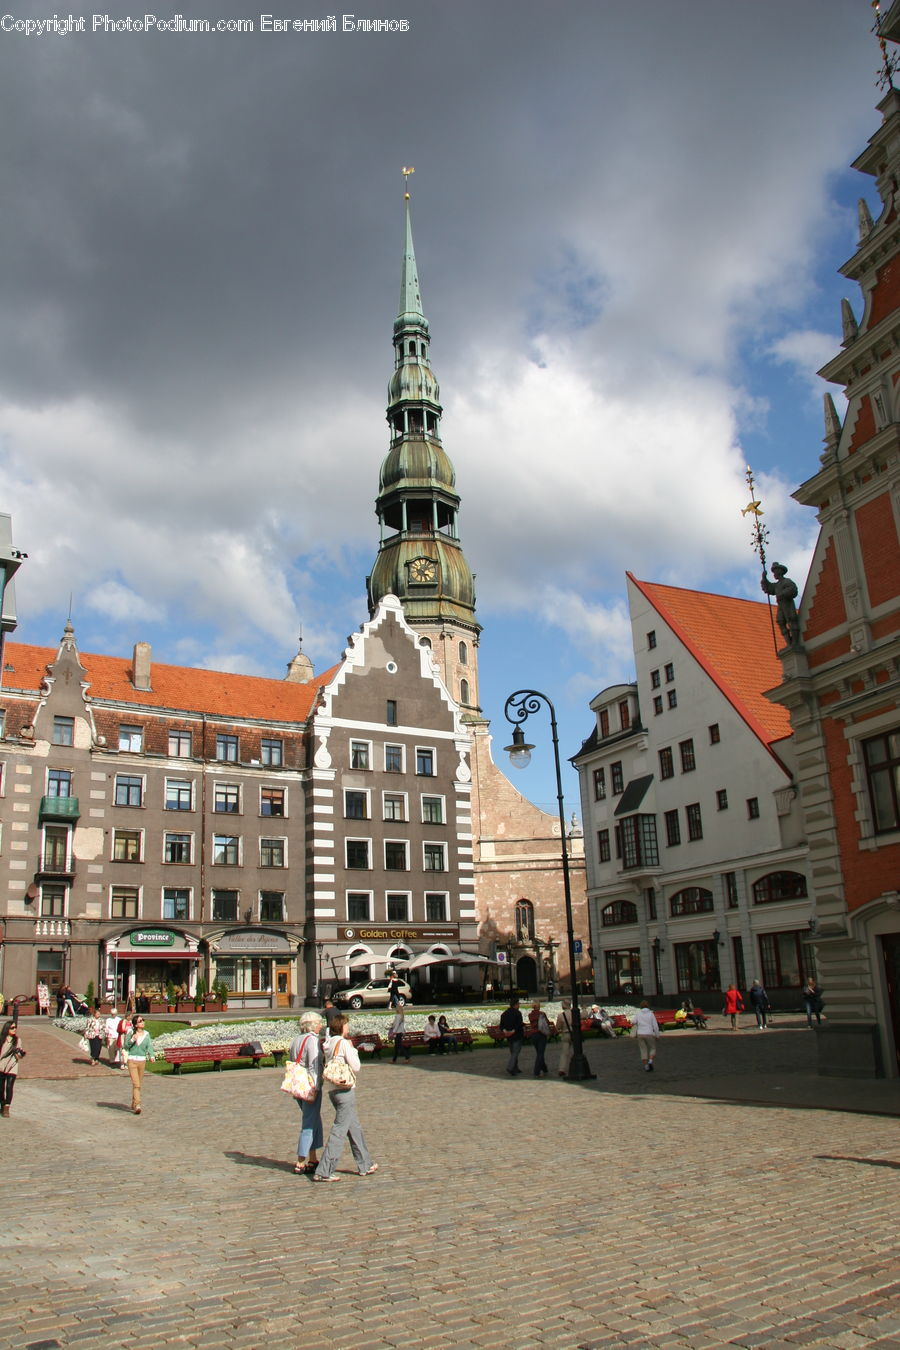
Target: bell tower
<point>420,558</point>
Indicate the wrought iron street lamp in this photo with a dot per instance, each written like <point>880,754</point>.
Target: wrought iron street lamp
<point>519,707</point>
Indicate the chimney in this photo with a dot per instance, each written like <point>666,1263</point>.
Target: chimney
<point>140,665</point>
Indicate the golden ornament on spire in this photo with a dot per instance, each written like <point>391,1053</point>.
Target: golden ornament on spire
<point>888,59</point>
<point>406,172</point>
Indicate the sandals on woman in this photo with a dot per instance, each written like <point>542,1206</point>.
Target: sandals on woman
<point>304,1168</point>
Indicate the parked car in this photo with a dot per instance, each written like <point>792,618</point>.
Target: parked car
<point>372,994</point>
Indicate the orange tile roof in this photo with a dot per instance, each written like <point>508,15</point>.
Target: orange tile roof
<point>732,640</point>
<point>175,688</point>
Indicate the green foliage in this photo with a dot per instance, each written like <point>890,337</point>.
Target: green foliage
<point>170,991</point>
<point>89,994</point>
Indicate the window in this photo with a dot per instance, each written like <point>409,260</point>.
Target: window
<point>433,810</point>
<point>779,886</point>
<point>395,855</point>
<point>670,672</point>
<point>654,679</point>
<point>657,705</point>
<point>618,780</point>
<point>666,762</point>
<point>179,795</point>
<point>126,846</point>
<point>271,853</point>
<point>227,748</point>
<point>356,805</point>
<point>604,723</point>
<point>618,913</point>
<point>180,744</point>
<point>271,801</point>
<point>393,806</point>
<point>686,750</point>
<point>692,900</point>
<point>390,712</point>
<point>599,785</point>
<point>650,897</point>
<point>782,956</point>
<point>64,731</point>
<point>464,691</point>
<point>463,654</point>
<point>359,755</point>
<point>435,857</point>
<point>59,783</point>
<point>123,902</point>
<point>624,715</point>
<point>697,967</point>
<point>672,698</point>
<point>177,848</point>
<point>639,847</point>
<point>129,791</point>
<point>623,971</point>
<point>651,640</point>
<point>357,853</point>
<point>225,906</point>
<point>673,829</point>
<point>729,880</point>
<point>271,906</point>
<point>524,920</point>
<point>358,906</point>
<point>393,759</point>
<point>714,736</point>
<point>435,907</point>
<point>397,908</point>
<point>225,849</point>
<point>56,849</point>
<point>53,900</point>
<point>753,808</point>
<point>227,798</point>
<point>603,852</point>
<point>424,762</point>
<point>722,800</point>
<point>131,738</point>
<point>694,821</point>
<point>271,752</point>
<point>881,756</point>
<point>176,903</point>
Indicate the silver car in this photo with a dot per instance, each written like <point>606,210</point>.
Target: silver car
<point>372,994</point>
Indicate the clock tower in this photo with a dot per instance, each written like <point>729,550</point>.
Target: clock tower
<point>420,558</point>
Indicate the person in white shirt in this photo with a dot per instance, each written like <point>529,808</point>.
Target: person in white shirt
<point>396,1031</point>
<point>645,1026</point>
<point>343,1099</point>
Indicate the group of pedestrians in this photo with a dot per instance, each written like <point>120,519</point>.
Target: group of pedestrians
<point>316,1053</point>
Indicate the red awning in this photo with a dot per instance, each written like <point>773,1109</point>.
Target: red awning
<point>157,953</point>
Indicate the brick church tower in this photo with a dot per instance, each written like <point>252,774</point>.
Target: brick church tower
<point>842,679</point>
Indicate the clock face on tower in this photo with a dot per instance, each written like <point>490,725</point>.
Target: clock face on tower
<point>423,570</point>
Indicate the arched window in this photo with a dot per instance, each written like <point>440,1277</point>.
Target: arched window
<point>464,691</point>
<point>426,642</point>
<point>779,886</point>
<point>463,654</point>
<point>692,900</point>
<point>412,349</point>
<point>524,920</point>
<point>619,912</point>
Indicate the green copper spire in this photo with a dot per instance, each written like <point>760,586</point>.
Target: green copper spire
<point>410,313</point>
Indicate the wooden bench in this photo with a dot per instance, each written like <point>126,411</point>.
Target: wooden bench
<point>216,1054</point>
<point>462,1035</point>
<point>666,1019</point>
<point>369,1045</point>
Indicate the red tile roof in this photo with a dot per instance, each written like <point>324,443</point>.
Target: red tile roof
<point>175,688</point>
<point>732,640</point>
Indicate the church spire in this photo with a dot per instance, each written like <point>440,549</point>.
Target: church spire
<point>410,312</point>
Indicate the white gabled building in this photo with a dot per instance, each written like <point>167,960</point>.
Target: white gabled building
<point>696,859</point>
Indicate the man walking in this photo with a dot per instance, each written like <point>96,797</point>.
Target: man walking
<point>513,1028</point>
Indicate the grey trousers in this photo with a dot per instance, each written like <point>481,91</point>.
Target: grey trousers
<point>346,1125</point>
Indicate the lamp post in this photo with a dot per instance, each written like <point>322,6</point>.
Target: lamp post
<point>519,707</point>
<point>320,947</point>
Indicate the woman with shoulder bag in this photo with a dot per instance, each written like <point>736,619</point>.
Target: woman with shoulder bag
<point>339,1075</point>
<point>138,1049</point>
<point>10,1053</point>
<point>306,1050</point>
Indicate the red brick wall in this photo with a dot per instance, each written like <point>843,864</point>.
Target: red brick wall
<point>886,295</point>
<point>864,427</point>
<point>880,548</point>
<point>829,652</point>
<point>867,873</point>
<point>826,609</point>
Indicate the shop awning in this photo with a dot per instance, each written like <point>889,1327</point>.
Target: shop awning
<point>156,954</point>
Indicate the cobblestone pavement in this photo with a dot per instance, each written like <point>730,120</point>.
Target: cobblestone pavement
<point>678,1209</point>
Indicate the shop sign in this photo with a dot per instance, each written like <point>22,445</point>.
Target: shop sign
<point>151,937</point>
<point>441,932</point>
<point>250,943</point>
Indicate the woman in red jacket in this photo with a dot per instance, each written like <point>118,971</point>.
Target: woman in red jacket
<point>734,1004</point>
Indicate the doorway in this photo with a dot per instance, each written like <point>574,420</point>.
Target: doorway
<point>890,946</point>
<point>284,990</point>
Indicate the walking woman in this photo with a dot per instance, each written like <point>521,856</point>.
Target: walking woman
<point>346,1121</point>
<point>138,1049</point>
<point>307,1050</point>
<point>734,1004</point>
<point>95,1031</point>
<point>10,1053</point>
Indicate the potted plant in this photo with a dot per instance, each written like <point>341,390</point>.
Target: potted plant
<point>170,996</point>
<point>89,995</point>
<point>200,995</point>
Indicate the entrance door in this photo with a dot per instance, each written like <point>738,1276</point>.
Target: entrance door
<point>890,946</point>
<point>283,985</point>
<point>526,974</point>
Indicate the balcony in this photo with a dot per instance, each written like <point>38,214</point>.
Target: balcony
<point>58,808</point>
<point>53,867</point>
<point>52,928</point>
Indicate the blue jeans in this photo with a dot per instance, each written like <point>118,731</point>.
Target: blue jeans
<point>539,1041</point>
<point>311,1135</point>
<point>346,1125</point>
<point>515,1045</point>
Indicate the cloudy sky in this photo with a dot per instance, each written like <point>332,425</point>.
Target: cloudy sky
<point>628,219</point>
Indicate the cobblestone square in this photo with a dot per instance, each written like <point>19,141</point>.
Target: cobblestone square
<point>721,1201</point>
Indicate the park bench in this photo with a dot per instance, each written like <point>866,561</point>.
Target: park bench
<point>666,1020</point>
<point>371,1044</point>
<point>216,1054</point>
<point>462,1035</point>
